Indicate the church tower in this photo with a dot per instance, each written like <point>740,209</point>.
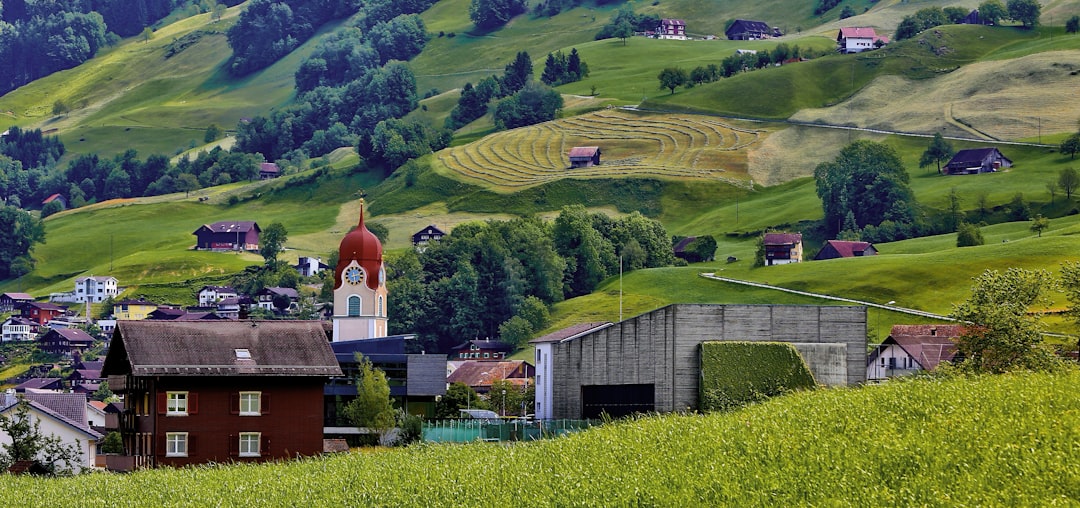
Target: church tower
<point>360,286</point>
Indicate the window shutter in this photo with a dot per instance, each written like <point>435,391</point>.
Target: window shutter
<point>191,445</point>
<point>264,446</point>
<point>234,445</point>
<point>162,403</point>
<point>234,403</point>
<point>192,403</point>
<point>161,445</point>
<point>264,403</point>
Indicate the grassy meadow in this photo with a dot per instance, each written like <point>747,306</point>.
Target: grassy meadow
<point>1008,440</point>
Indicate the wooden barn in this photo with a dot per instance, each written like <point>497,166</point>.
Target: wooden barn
<point>977,160</point>
<point>228,235</point>
<point>584,156</point>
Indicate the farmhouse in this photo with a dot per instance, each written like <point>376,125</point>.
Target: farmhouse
<point>8,301</point>
<point>651,362</point>
<point>55,197</point>
<point>308,266</point>
<point>845,249</point>
<point>911,348</point>
<point>749,30</point>
<point>18,329</point>
<point>228,235</point>
<point>977,160</point>
<point>671,29</point>
<point>219,391</point>
<point>268,170</point>
<point>65,341</point>
<point>429,234</point>
<point>584,156</point>
<point>858,39</point>
<point>782,248</point>
<point>209,295</point>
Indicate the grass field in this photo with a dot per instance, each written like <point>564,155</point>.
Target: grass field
<point>1008,440</point>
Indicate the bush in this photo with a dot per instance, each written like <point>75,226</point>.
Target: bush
<point>734,374</point>
<point>968,235</point>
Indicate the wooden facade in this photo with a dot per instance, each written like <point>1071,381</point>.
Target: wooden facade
<point>228,235</point>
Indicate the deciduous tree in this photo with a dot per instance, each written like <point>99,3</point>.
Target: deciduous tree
<point>869,179</point>
<point>939,151</point>
<point>1071,145</point>
<point>992,11</point>
<point>372,407</point>
<point>672,78</point>
<point>271,241</point>
<point>1068,180</point>
<point>968,235</point>
<point>25,441</point>
<point>1026,12</point>
<point>1039,224</point>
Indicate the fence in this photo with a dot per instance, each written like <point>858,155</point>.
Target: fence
<point>464,431</point>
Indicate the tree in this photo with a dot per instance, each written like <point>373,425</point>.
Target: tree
<point>113,443</point>
<point>515,331</point>
<point>955,215</point>
<point>1072,25</point>
<point>23,232</point>
<point>1068,180</point>
<point>624,30</point>
<point>968,235</point>
<point>372,407</point>
<point>212,133</point>
<point>1026,12</point>
<point>488,14</point>
<point>271,241</point>
<point>869,179</point>
<point>1039,224</point>
<point>1071,145</point>
<point>847,12</point>
<point>218,11</point>
<point>1003,333</point>
<point>1052,188</point>
<point>458,396</point>
<point>52,207</point>
<point>517,74</point>
<point>1070,285</point>
<point>672,78</point>
<point>103,393</point>
<point>147,34</point>
<point>534,104</point>
<point>26,442</point>
<point>992,11</point>
<point>939,151</point>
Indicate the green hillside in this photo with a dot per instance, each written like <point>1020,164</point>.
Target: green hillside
<point>1005,440</point>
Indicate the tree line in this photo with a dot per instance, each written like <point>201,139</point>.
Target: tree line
<point>743,61</point>
<point>991,12</point>
<point>523,100</point>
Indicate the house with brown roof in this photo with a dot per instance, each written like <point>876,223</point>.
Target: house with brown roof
<point>584,156</point>
<point>429,234</point>
<point>783,248</point>
<point>912,348</point>
<point>41,312</point>
<point>65,341</point>
<point>976,160</point>
<point>845,249</point>
<point>8,301</point>
<point>18,329</point>
<point>750,30</point>
<point>220,391</point>
<point>479,375</point>
<point>268,170</point>
<point>228,235</point>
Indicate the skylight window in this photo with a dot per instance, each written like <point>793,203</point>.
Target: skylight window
<point>243,354</point>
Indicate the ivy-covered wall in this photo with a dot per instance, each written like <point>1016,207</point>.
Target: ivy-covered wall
<point>736,373</point>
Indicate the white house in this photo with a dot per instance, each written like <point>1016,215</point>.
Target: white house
<point>857,39</point>
<point>60,414</point>
<point>95,289</point>
<point>543,361</point>
<point>309,266</point>
<point>911,348</point>
<point>210,295</point>
<point>17,329</point>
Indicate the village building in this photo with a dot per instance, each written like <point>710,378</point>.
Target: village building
<point>360,286</point>
<point>783,248</point>
<point>429,234</point>
<point>584,156</point>
<point>268,298</point>
<point>858,39</point>
<point>750,30</point>
<point>481,350</point>
<point>228,235</point>
<point>308,266</point>
<point>62,415</point>
<point>132,309</point>
<point>210,295</point>
<point>41,312</point>
<point>976,160</point>
<point>95,289</point>
<point>214,392</point>
<point>671,29</point>
<point>416,380</point>
<point>8,301</point>
<point>480,375</point>
<point>845,249</point>
<point>55,197</point>
<point>912,348</point>
<point>18,329</point>
<point>66,342</point>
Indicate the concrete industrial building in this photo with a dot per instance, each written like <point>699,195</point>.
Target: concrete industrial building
<point>652,362</point>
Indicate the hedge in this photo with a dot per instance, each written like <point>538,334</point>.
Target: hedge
<point>737,373</point>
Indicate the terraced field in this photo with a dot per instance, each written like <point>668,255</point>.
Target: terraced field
<point>632,145</point>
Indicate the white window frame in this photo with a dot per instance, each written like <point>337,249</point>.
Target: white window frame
<point>176,444</point>
<point>176,403</point>
<point>246,406</point>
<point>247,439</point>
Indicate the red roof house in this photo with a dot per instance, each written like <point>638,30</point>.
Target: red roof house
<point>845,249</point>
<point>911,348</point>
<point>856,39</point>
<point>584,156</point>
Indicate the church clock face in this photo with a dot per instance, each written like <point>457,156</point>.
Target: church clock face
<point>354,275</point>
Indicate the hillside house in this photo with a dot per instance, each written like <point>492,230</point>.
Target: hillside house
<point>973,18</point>
<point>228,235</point>
<point>268,170</point>
<point>976,160</point>
<point>845,249</point>
<point>67,342</point>
<point>8,301</point>
<point>750,30</point>
<point>429,234</point>
<point>490,350</point>
<point>95,289</point>
<point>41,312</point>
<point>58,414</point>
<point>480,375</point>
<point>224,391</point>
<point>265,299</point>
<point>584,156</point>
<point>783,248</point>
<point>912,348</point>
<point>132,309</point>
<point>857,39</point>
<point>18,329</point>
<point>671,29</point>
<point>308,266</point>
<point>210,295</point>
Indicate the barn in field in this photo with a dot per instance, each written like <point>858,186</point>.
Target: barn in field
<point>584,156</point>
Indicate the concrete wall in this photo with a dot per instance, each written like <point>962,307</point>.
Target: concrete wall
<point>662,348</point>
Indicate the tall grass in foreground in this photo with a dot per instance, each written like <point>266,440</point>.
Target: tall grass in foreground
<point>1011,440</point>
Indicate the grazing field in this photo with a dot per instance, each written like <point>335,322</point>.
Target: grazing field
<point>1008,440</point>
<point>633,146</point>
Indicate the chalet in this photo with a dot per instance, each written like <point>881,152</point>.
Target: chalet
<point>671,29</point>
<point>202,392</point>
<point>132,309</point>
<point>429,234</point>
<point>209,295</point>
<point>65,341</point>
<point>480,375</point>
<point>857,39</point>
<point>18,329</point>
<point>41,312</point>
<point>749,30</point>
<point>584,156</point>
<point>268,170</point>
<point>976,160</point>
<point>228,235</point>
<point>8,301</point>
<point>309,266</point>
<point>95,289</point>
<point>265,299</point>
<point>481,350</point>
<point>62,415</point>
<point>783,248</point>
<point>55,197</point>
<point>845,249</point>
<point>912,348</point>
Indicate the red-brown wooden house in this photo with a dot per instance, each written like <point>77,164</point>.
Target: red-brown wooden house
<point>228,235</point>
<point>219,391</point>
<point>41,312</point>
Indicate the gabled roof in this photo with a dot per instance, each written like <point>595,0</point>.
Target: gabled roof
<point>584,151</point>
<point>431,230</point>
<point>268,167</point>
<point>16,320</point>
<point>230,227</point>
<point>929,345</point>
<point>860,32</point>
<point>974,156</point>
<point>749,25</point>
<point>484,344</point>
<point>200,348</point>
<point>669,21</point>
<point>66,408</point>
<point>289,292</point>
<point>40,383</point>
<point>782,238</point>
<point>50,199</point>
<point>681,246</point>
<point>571,332</point>
<point>480,373</point>
<point>133,301</point>
<point>96,278</point>
<point>847,248</point>
<point>45,306</point>
<point>218,289</point>
<point>19,296</point>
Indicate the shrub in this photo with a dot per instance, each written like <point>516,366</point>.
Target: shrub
<point>736,373</point>
<point>968,235</point>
